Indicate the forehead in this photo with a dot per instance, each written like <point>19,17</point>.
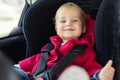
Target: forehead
<point>69,10</point>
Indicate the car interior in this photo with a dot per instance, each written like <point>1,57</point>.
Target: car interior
<point>36,25</point>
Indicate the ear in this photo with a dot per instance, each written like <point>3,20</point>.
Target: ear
<point>84,29</point>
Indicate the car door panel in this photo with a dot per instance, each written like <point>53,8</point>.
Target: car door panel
<point>14,45</point>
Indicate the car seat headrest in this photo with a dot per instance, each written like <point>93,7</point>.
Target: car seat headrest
<point>38,25</point>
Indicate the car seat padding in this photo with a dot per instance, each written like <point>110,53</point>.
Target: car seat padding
<point>107,33</point>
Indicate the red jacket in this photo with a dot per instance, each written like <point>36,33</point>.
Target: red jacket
<point>87,60</point>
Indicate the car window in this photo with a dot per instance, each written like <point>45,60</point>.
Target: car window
<point>10,11</point>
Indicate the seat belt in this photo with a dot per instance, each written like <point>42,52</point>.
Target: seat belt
<point>67,59</point>
<point>50,74</point>
<point>43,59</point>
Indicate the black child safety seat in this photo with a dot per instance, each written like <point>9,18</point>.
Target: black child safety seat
<point>38,26</point>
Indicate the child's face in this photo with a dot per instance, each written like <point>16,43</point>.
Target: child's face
<point>69,24</point>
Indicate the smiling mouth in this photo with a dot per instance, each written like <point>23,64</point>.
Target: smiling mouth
<point>69,30</point>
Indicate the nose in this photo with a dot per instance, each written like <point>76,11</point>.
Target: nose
<point>68,23</point>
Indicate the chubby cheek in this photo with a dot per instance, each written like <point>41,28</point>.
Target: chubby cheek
<point>59,30</point>
<point>78,33</point>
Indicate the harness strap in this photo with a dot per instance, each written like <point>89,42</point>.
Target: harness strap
<point>67,59</point>
<point>50,74</point>
<point>43,59</point>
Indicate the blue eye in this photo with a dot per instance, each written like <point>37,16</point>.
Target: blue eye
<point>63,21</point>
<point>75,20</point>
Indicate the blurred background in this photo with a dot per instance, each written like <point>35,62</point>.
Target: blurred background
<point>10,11</point>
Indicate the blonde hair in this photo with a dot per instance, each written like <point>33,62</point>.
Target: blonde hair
<point>71,4</point>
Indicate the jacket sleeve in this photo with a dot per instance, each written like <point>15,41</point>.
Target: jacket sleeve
<point>29,64</point>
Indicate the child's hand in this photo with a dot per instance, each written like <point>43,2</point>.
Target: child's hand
<point>39,79</point>
<point>107,73</point>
